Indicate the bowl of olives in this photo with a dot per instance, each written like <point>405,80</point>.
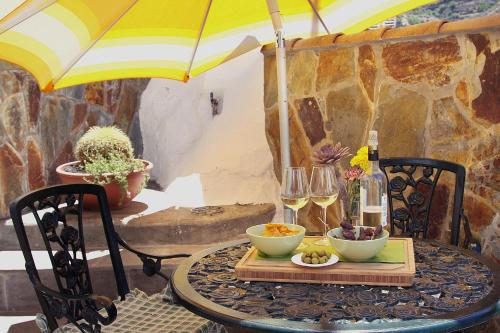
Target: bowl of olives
<point>319,258</point>
<point>357,243</point>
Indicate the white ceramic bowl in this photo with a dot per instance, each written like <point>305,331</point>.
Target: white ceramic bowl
<point>275,246</point>
<point>357,250</point>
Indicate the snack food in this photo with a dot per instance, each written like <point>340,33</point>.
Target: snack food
<point>315,257</point>
<point>365,233</point>
<point>277,230</point>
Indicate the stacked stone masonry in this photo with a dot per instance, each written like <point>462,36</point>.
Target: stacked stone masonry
<point>38,131</point>
<point>434,96</point>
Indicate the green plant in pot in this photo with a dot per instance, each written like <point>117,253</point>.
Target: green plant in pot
<point>106,157</point>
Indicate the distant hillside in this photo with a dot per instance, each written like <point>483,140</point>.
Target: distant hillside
<point>450,10</point>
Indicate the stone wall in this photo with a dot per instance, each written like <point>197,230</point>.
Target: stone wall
<point>435,96</point>
<point>38,131</point>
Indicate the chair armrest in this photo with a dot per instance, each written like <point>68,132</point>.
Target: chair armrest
<point>151,263</point>
<point>469,241</point>
<point>74,308</point>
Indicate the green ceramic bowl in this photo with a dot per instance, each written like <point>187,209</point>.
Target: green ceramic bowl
<point>275,246</point>
<point>357,250</point>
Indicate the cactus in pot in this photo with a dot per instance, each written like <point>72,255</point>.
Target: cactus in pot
<point>106,157</point>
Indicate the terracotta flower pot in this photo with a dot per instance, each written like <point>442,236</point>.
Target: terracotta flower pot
<point>113,189</point>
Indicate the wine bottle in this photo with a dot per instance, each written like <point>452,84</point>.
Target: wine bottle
<point>373,189</point>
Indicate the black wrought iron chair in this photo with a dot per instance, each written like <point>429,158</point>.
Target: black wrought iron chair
<point>59,214</point>
<point>410,198</point>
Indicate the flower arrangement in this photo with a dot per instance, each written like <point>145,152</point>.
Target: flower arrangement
<point>330,154</point>
<point>361,158</point>
<point>359,165</point>
<point>349,182</point>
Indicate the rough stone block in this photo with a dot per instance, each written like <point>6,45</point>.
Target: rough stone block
<point>300,149</point>
<point>36,172</point>
<point>65,155</point>
<point>9,84</point>
<point>94,93</point>
<point>367,69</point>
<point>13,115</point>
<point>477,209</point>
<point>127,106</point>
<point>34,96</point>
<point>350,113</point>
<point>448,124</point>
<point>334,66</point>
<point>55,125</point>
<point>462,93</point>
<point>79,116</point>
<point>487,105</point>
<point>401,122</point>
<point>12,175</point>
<point>311,119</point>
<point>301,72</point>
<point>418,61</point>
<point>270,82</point>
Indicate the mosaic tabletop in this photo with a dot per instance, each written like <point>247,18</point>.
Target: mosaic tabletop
<point>449,284</point>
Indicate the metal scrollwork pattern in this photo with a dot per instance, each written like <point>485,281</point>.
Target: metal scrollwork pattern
<point>66,248</point>
<point>411,216</point>
<point>445,281</point>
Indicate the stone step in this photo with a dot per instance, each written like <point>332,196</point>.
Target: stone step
<point>149,221</point>
<point>18,296</point>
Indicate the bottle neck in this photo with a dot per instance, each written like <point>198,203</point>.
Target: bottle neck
<point>373,158</point>
<point>373,153</point>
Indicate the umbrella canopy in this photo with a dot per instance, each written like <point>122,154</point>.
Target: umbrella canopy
<point>70,42</point>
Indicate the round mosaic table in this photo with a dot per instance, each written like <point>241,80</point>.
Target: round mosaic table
<point>453,289</point>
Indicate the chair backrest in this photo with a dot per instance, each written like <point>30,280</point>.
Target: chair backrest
<point>58,212</point>
<point>410,198</point>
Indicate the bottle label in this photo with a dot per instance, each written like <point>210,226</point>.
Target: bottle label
<point>384,210</point>
<point>362,204</point>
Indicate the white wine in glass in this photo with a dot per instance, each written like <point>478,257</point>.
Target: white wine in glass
<point>295,203</point>
<point>324,200</point>
<point>294,189</point>
<point>324,192</point>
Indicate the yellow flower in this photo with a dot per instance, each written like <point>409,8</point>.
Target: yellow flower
<point>361,158</point>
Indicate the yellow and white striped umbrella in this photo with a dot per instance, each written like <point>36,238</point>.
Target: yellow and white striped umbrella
<point>69,42</point>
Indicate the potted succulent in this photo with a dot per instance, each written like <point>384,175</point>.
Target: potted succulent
<point>105,156</point>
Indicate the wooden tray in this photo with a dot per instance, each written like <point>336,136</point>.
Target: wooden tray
<point>377,274</point>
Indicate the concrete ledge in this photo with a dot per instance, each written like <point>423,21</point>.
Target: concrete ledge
<point>147,222</point>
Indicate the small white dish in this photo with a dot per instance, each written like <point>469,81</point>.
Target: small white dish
<point>297,260</point>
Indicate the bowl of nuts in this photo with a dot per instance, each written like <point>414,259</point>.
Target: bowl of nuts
<point>357,243</point>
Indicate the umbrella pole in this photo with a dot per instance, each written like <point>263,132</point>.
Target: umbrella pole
<point>282,92</point>
<point>282,99</point>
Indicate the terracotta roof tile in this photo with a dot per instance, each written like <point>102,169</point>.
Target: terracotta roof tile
<point>472,24</point>
<point>316,41</point>
<point>363,36</point>
<point>428,28</point>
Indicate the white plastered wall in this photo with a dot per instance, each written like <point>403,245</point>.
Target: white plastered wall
<point>205,160</point>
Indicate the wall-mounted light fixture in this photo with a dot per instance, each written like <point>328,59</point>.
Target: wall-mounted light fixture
<point>216,102</point>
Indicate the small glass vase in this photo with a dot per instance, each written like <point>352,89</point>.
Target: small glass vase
<point>353,215</point>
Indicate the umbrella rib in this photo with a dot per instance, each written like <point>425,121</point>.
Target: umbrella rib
<point>318,16</point>
<point>7,27</point>
<point>198,40</point>
<point>51,84</point>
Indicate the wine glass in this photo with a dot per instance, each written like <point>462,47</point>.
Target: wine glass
<point>294,189</point>
<point>324,192</point>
